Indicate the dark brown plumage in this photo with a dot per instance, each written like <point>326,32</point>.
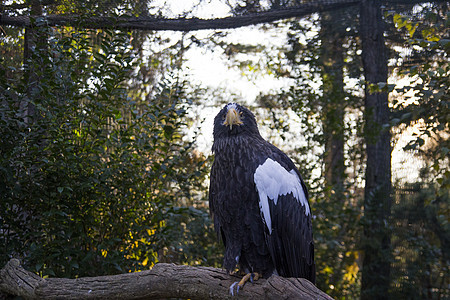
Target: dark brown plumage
<point>258,201</point>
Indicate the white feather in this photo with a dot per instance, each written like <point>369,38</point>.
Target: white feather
<point>272,181</point>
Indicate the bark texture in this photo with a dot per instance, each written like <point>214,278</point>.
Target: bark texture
<point>163,281</point>
<point>377,193</point>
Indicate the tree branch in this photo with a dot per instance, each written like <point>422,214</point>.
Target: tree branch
<point>180,24</point>
<point>163,281</point>
<point>410,1</point>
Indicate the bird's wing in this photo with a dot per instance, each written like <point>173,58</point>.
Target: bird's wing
<point>233,206</point>
<point>286,213</point>
<point>213,189</point>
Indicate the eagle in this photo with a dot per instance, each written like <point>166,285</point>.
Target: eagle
<point>258,202</point>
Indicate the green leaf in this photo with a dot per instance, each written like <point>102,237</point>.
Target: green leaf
<point>38,267</point>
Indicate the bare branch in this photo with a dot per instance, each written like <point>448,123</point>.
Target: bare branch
<point>180,24</point>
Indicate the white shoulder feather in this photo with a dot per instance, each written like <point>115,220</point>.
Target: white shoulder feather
<point>272,181</point>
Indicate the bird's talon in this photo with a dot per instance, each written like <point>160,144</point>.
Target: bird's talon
<point>256,276</point>
<point>232,289</point>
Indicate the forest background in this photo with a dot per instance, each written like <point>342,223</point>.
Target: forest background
<point>105,137</point>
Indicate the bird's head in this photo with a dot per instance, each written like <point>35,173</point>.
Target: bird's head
<point>234,119</point>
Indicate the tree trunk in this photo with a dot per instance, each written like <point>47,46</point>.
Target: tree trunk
<point>35,42</point>
<point>163,281</point>
<point>377,194</point>
<point>331,35</point>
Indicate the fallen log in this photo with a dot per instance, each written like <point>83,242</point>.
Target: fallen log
<point>162,281</point>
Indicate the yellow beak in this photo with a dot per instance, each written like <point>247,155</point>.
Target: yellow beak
<point>232,118</point>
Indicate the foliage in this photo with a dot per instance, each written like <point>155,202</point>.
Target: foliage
<point>420,241</point>
<point>91,177</point>
<point>428,71</point>
<point>420,224</point>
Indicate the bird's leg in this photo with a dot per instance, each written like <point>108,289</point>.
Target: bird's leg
<point>255,276</point>
<point>249,276</point>
<point>244,280</point>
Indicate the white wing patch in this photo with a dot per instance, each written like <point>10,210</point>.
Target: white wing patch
<point>272,181</point>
